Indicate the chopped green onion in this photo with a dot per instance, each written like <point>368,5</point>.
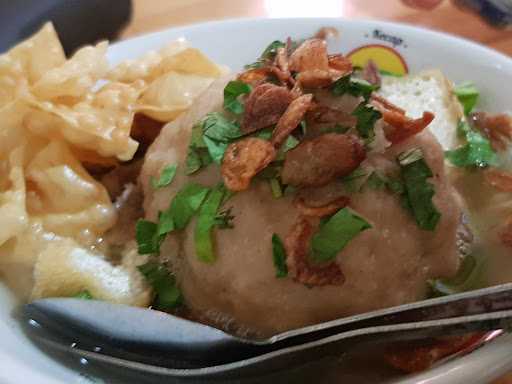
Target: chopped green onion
<point>168,295</point>
<point>477,152</point>
<point>275,187</point>
<point>415,173</point>
<point>366,116</point>
<point>354,180</point>
<point>147,236</point>
<point>467,95</point>
<point>183,206</point>
<point>353,86</point>
<point>85,295</point>
<point>206,220</point>
<point>232,91</point>
<point>279,257</point>
<point>375,181</point>
<point>268,54</point>
<point>335,233</point>
<point>166,177</point>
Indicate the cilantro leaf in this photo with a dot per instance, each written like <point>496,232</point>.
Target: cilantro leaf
<point>367,116</point>
<point>217,127</point>
<point>467,95</point>
<point>85,295</point>
<point>419,191</point>
<point>206,220</point>
<point>268,54</point>
<point>166,177</point>
<point>147,236</point>
<point>168,295</point>
<point>232,91</point>
<point>477,152</point>
<point>471,275</point>
<point>184,205</point>
<point>279,257</point>
<point>353,86</point>
<point>198,155</point>
<point>335,233</point>
<point>218,132</point>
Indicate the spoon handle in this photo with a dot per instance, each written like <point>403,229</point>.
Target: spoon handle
<point>480,301</point>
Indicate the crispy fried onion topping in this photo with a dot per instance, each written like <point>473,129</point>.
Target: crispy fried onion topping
<point>254,76</point>
<point>398,126</point>
<point>322,116</point>
<point>497,128</point>
<point>264,106</point>
<point>371,73</point>
<point>315,68</point>
<point>291,118</point>
<point>316,162</point>
<point>420,355</point>
<point>297,245</point>
<point>243,160</point>
<point>327,209</point>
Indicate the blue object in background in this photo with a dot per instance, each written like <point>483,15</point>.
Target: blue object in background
<point>77,22</point>
<point>496,12</point>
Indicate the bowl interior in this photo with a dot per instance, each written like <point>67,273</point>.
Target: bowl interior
<point>238,42</point>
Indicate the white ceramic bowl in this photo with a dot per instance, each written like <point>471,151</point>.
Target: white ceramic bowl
<point>237,42</point>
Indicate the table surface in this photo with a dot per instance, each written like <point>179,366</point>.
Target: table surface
<point>152,15</point>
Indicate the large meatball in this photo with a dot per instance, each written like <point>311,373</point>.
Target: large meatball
<point>386,265</point>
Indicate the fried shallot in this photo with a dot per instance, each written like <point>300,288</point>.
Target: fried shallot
<point>316,162</point>
<point>291,118</point>
<point>497,128</point>
<point>297,245</point>
<point>371,73</point>
<point>398,126</point>
<point>243,159</point>
<point>327,209</point>
<point>264,107</point>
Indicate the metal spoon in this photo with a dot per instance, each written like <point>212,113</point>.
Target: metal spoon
<point>160,344</point>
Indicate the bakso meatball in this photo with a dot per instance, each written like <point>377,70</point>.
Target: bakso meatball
<point>387,263</point>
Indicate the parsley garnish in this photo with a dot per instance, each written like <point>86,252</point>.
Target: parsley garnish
<point>166,177</point>
<point>184,205</point>
<point>218,132</point>
<point>335,233</point>
<point>418,190</point>
<point>206,220</point>
<point>467,95</point>
<point>231,93</point>
<point>353,86</point>
<point>147,236</point>
<point>168,295</point>
<point>477,152</point>
<point>268,54</point>
<point>279,257</point>
<point>198,155</point>
<point>367,116</point>
<point>85,295</point>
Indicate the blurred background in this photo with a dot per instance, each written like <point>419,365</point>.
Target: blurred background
<point>86,21</point>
